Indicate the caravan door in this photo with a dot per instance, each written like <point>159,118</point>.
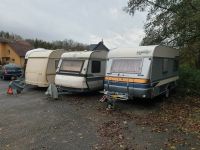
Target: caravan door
<point>95,74</point>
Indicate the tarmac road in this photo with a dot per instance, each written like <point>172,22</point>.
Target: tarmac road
<point>32,121</point>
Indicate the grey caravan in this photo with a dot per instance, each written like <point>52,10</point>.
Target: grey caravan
<point>81,71</point>
<point>143,72</point>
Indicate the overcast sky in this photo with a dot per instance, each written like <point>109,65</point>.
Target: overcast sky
<point>86,21</point>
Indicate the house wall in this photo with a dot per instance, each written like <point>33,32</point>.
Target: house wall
<point>7,54</point>
<point>22,61</point>
<point>2,53</point>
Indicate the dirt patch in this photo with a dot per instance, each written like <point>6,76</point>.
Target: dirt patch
<point>177,119</point>
<point>113,132</point>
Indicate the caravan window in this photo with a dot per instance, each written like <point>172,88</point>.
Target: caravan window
<point>176,65</point>
<point>126,65</point>
<point>71,65</point>
<point>165,65</point>
<point>96,66</point>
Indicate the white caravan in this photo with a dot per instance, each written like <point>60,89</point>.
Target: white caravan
<point>143,72</point>
<point>81,71</point>
<point>41,65</point>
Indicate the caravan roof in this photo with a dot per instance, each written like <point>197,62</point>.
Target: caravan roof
<point>44,53</point>
<point>33,50</point>
<point>85,54</point>
<point>144,51</point>
<point>77,54</point>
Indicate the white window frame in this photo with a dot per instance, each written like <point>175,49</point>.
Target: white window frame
<point>76,71</point>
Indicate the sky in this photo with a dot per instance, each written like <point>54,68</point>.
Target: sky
<point>85,21</point>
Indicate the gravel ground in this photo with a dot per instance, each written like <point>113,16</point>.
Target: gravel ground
<point>32,121</point>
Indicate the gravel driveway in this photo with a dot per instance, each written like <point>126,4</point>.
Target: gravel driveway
<point>31,121</point>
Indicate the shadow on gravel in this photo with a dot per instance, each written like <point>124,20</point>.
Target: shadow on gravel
<point>148,104</point>
<point>141,104</point>
<point>34,88</point>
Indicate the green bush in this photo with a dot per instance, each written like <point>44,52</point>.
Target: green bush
<point>189,79</point>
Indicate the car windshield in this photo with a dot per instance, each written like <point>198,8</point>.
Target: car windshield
<point>12,67</point>
<point>71,65</point>
<point>126,65</point>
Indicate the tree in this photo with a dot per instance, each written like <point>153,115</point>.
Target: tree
<point>7,35</point>
<point>67,44</point>
<point>172,22</point>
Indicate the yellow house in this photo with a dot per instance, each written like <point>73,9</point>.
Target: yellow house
<point>13,51</point>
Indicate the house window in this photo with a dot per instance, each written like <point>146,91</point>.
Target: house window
<point>13,60</point>
<point>96,66</point>
<point>165,65</point>
<point>8,51</point>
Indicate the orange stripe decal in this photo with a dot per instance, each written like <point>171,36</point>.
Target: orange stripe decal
<point>124,79</point>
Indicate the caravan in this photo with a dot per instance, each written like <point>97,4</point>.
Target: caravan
<point>41,65</point>
<point>143,72</point>
<point>81,71</point>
